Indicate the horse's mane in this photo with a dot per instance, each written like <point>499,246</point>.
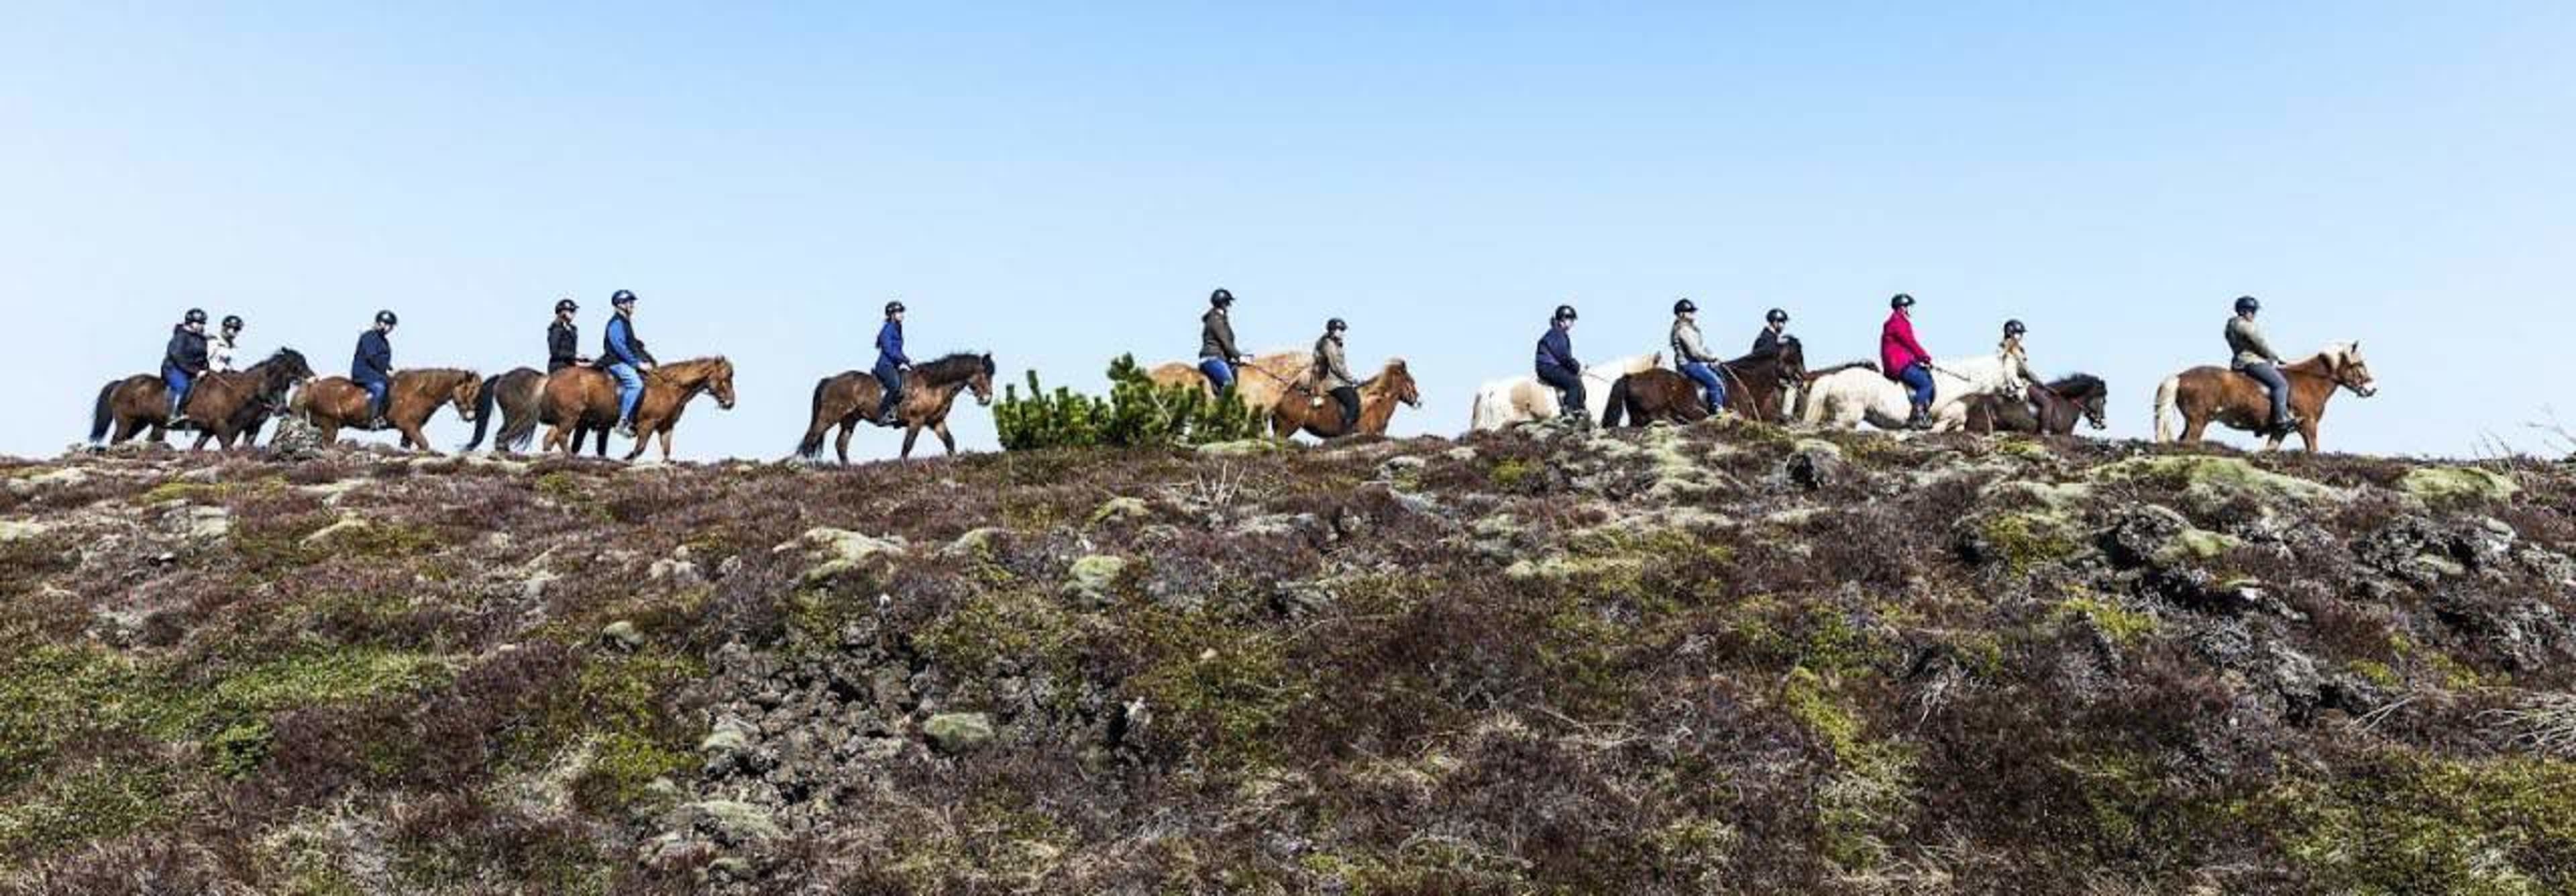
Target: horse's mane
<point>2078,383</point>
<point>1786,343</point>
<point>1871,366</point>
<point>951,368</point>
<point>440,372</point>
<point>282,356</point>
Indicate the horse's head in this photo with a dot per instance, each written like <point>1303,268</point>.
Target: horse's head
<point>464,394</point>
<point>981,383</point>
<point>1399,382</point>
<point>1791,359</point>
<point>2350,371</point>
<point>720,382</point>
<point>2088,393</point>
<point>281,372</point>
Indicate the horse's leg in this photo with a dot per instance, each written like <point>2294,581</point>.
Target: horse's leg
<point>414,439</point>
<point>643,438</point>
<point>666,444</point>
<point>911,431</point>
<point>2192,426</point>
<point>940,426</point>
<point>841,445</point>
<point>554,439</point>
<point>2308,434</point>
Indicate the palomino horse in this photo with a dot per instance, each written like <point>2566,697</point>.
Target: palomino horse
<point>2052,409</point>
<point>1522,399</point>
<point>333,402</point>
<point>850,397</point>
<point>221,406</point>
<point>585,397</point>
<point>1260,384</point>
<point>1297,411</point>
<point>1854,393</point>
<point>2203,395</point>
<point>1758,387</point>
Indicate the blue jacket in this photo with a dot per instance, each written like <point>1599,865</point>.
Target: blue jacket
<point>1557,350</point>
<point>620,345</point>
<point>374,362</point>
<point>890,345</point>
<point>187,351</point>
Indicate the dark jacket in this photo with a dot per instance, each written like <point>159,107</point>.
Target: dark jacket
<point>374,361</point>
<point>890,345</point>
<point>620,346</point>
<point>563,346</point>
<point>1768,343</point>
<point>187,351</point>
<point>1216,335</point>
<point>1556,350</point>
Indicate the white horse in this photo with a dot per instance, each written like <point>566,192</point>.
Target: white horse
<point>1521,399</point>
<point>1846,398</point>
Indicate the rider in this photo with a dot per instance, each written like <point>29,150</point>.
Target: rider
<point>219,351</point>
<point>184,360</point>
<point>627,359</point>
<point>373,367</point>
<point>563,337</point>
<point>2010,351</point>
<point>1217,354</point>
<point>1691,355</point>
<point>1333,374</point>
<point>2254,357</point>
<point>1556,364</point>
<point>1904,360</point>
<point>1774,325</point>
<point>891,364</point>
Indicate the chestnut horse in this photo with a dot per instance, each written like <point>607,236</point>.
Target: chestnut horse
<point>2207,394</point>
<point>1758,387</point>
<point>333,402</point>
<point>1297,410</point>
<point>850,398</point>
<point>2050,409</point>
<point>1260,384</point>
<point>221,406</point>
<point>585,397</point>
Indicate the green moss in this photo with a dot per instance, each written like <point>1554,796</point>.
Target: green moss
<point>2124,627</point>
<point>95,801</point>
<point>51,693</point>
<point>989,626</point>
<point>1508,474</point>
<point>623,766</point>
<point>2209,481</point>
<point>2022,540</point>
<point>1228,687</point>
<point>2414,824</point>
<point>320,677</point>
<point>1869,795</point>
<point>192,492</point>
<point>2442,485</point>
<point>240,748</point>
<point>2377,673</point>
<point>620,706</point>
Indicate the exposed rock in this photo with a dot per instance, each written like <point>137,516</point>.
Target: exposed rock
<point>2457,484</point>
<point>337,528</point>
<point>2209,482</point>
<point>1240,448</point>
<point>1092,576</point>
<point>735,823</point>
<point>841,550</point>
<point>67,477</point>
<point>1121,509</point>
<point>1815,464</point>
<point>622,635</point>
<point>959,732</point>
<point>12,530</point>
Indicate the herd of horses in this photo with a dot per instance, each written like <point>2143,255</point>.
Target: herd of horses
<point>1982,394</point>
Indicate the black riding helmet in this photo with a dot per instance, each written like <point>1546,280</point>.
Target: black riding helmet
<point>194,316</point>
<point>893,308</point>
<point>564,305</point>
<point>621,297</point>
<point>2245,304</point>
<point>232,322</point>
<point>1220,298</point>
<point>1563,312</point>
<point>387,318</point>
<point>2014,328</point>
<point>1335,325</point>
<point>1685,307</point>
<point>1777,316</point>
<point>1901,300</point>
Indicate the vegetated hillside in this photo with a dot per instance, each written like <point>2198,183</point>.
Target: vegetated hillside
<point>1722,659</point>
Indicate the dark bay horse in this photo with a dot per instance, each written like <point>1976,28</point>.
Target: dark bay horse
<point>577,398</point>
<point>2051,409</point>
<point>518,397</point>
<point>850,397</point>
<point>2209,394</point>
<point>221,406</point>
<point>332,403</point>
<point>1297,411</point>
<point>1758,387</point>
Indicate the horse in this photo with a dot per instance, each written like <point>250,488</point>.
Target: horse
<point>850,397</point>
<point>2052,409</point>
<point>1522,399</point>
<point>1297,411</point>
<point>1854,393</point>
<point>331,403</point>
<point>2207,394</point>
<point>1260,384</point>
<point>221,406</point>
<point>1758,387</point>
<point>577,398</point>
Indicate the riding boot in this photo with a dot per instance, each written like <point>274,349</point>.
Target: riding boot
<point>1920,419</point>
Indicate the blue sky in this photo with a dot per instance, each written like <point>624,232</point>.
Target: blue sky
<point>1059,184</point>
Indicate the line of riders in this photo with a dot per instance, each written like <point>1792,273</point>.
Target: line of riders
<point>191,355</point>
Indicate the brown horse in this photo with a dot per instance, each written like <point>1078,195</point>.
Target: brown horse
<point>220,406</point>
<point>1297,411</point>
<point>332,403</point>
<point>1260,384</point>
<point>1758,387</point>
<point>850,397</point>
<point>2051,409</point>
<point>2203,395</point>
<point>584,397</point>
<point>519,398</point>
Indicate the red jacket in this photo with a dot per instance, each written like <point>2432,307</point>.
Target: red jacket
<point>1897,349</point>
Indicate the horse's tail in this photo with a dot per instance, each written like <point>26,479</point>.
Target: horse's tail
<point>2166,394</point>
<point>1618,402</point>
<point>102,416</point>
<point>1480,415</point>
<point>811,447</point>
<point>483,412</point>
